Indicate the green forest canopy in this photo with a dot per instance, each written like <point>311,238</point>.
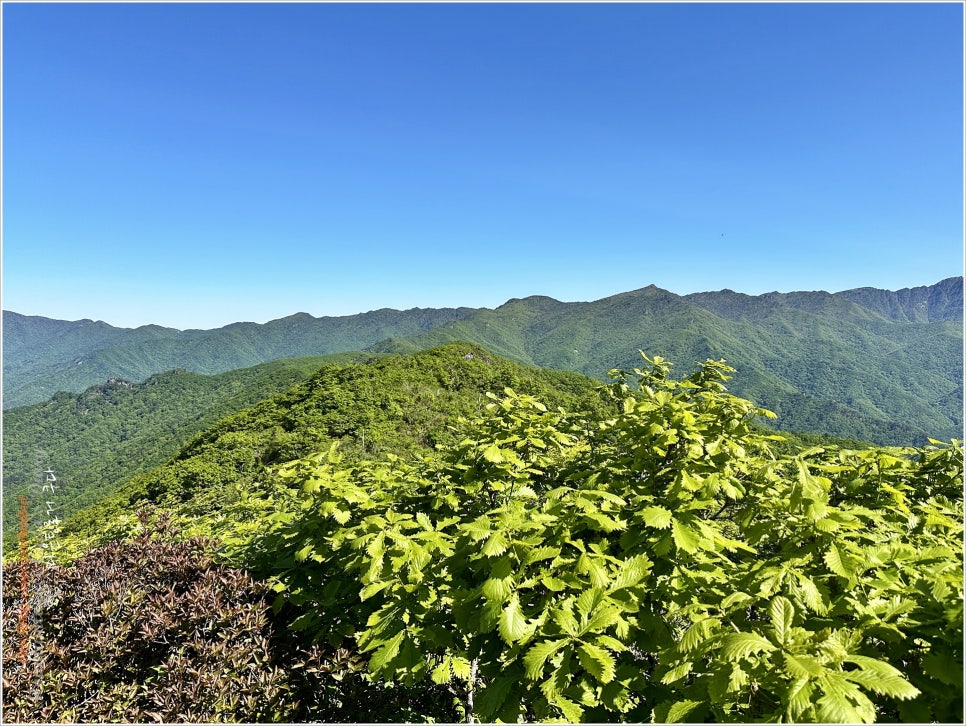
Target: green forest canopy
<point>648,556</point>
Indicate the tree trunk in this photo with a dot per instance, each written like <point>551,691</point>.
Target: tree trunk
<point>470,688</point>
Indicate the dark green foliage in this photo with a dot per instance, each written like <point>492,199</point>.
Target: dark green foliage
<point>99,439</point>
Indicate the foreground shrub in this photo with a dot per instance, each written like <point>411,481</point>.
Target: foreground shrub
<point>152,630</point>
<point>660,563</point>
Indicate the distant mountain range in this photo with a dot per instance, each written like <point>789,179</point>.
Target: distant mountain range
<point>42,356</point>
<point>884,366</point>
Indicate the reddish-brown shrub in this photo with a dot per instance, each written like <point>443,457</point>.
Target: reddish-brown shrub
<point>151,629</point>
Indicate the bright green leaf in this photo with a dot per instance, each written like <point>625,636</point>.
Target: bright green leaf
<point>736,646</point>
<point>657,517</point>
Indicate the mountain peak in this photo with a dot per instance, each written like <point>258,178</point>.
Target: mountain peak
<point>926,303</point>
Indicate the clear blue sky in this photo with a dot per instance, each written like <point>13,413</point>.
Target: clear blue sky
<point>193,165</point>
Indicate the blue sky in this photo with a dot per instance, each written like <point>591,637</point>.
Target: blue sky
<point>194,165</point>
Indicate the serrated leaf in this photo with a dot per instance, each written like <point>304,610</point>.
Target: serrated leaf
<point>495,545</point>
<point>737,646</point>
<point>838,561</point>
<point>461,668</point>
<point>493,454</point>
<point>552,687</point>
<point>811,595</point>
<point>733,599</point>
<point>606,641</point>
<point>940,590</point>
<point>605,523</point>
<point>782,614</point>
<point>370,590</point>
<point>880,677</point>
<point>632,572</point>
<point>677,673</point>
<point>803,666</point>
<point>304,553</point>
<point>843,702</point>
<point>588,600</point>
<point>738,679</point>
<point>386,652</point>
<point>441,673</point>
<point>657,517</point>
<point>573,712</point>
<point>497,590</point>
<point>537,656</point>
<point>685,538</point>
<point>892,686</point>
<point>596,573</point>
<point>513,625</point>
<point>377,545</point>
<point>604,616</point>
<point>663,546</point>
<point>799,697</point>
<point>566,620</point>
<point>478,528</point>
<point>341,516</point>
<point>597,661</point>
<point>541,553</point>
<point>827,525</point>
<point>553,584</point>
<point>697,633</point>
<point>678,711</point>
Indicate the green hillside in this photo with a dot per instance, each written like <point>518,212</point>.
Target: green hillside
<point>883,366</point>
<point>43,356</point>
<point>407,539</point>
<point>400,405</point>
<point>97,439</point>
<point>827,364</point>
<point>942,301</point>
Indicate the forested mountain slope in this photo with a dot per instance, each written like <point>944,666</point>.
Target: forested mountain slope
<point>942,301</point>
<point>97,439</point>
<point>870,364</point>
<point>43,356</point>
<point>638,552</point>
<point>398,405</point>
<point>823,362</point>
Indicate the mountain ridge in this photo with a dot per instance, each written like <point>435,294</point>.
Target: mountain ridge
<point>891,359</point>
<point>852,293</point>
<point>77,359</point>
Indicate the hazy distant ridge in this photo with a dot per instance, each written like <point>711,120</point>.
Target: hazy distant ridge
<point>43,356</point>
<point>942,301</point>
<point>865,363</point>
